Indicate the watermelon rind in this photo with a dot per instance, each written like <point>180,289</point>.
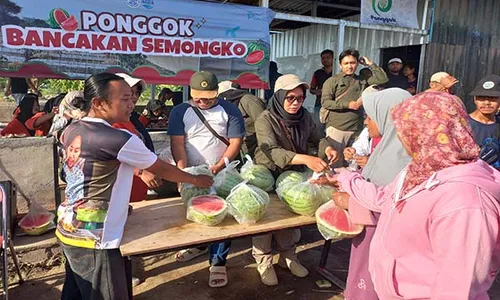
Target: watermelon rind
<point>206,218</point>
<point>247,203</point>
<point>258,175</point>
<point>331,233</point>
<point>38,229</point>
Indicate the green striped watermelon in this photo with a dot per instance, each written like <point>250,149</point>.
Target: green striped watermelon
<point>289,176</point>
<point>227,179</point>
<point>257,175</point>
<point>335,224</point>
<point>304,198</point>
<point>247,203</point>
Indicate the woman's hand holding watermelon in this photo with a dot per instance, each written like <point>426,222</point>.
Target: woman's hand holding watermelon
<point>341,199</point>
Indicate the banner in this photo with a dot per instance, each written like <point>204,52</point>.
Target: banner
<point>402,13</point>
<point>160,41</point>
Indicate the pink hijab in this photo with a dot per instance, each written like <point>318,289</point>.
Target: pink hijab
<point>434,127</point>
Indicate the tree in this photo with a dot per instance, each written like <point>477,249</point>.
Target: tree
<point>8,12</point>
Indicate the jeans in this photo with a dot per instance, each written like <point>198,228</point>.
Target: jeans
<point>96,274</point>
<point>218,253</point>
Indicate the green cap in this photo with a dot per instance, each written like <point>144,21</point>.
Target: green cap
<point>204,84</point>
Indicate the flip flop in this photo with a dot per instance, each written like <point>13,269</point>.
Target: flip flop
<point>189,254</point>
<point>218,276</point>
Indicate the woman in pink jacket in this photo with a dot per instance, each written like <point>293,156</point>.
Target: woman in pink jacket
<point>437,236</point>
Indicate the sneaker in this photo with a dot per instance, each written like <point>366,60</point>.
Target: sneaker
<point>268,276</point>
<point>294,266</point>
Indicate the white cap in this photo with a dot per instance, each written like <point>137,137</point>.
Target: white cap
<point>132,80</point>
<point>225,86</point>
<point>289,82</point>
<point>395,59</point>
<point>436,77</point>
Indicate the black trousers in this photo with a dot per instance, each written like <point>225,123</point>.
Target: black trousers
<point>96,274</point>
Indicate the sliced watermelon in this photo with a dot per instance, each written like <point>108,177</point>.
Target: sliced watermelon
<point>56,17</point>
<point>37,224</point>
<point>335,224</point>
<point>255,57</point>
<point>207,210</point>
<point>70,24</point>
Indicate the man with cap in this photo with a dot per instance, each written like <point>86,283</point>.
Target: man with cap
<point>487,100</point>
<point>442,82</point>
<point>396,79</point>
<point>250,107</point>
<point>193,143</point>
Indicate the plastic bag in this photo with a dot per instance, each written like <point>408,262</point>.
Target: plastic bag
<point>37,221</point>
<point>207,210</point>
<point>257,175</point>
<point>189,190</point>
<point>247,203</point>
<point>334,223</point>
<point>227,179</point>
<point>304,198</point>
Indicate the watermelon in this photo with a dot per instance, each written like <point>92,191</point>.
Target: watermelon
<point>207,210</point>
<point>335,224</point>
<point>257,53</point>
<point>70,24</point>
<point>304,198</point>
<point>257,175</point>
<point>289,176</point>
<point>36,224</point>
<point>188,190</point>
<point>56,17</point>
<point>227,179</point>
<point>247,203</point>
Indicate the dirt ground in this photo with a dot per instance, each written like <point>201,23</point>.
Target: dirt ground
<point>163,278</point>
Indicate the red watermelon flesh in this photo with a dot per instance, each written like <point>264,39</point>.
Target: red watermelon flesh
<point>59,16</point>
<point>36,220</point>
<point>255,57</point>
<point>335,223</point>
<point>208,204</point>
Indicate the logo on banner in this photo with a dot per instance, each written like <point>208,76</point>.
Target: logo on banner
<point>149,4</point>
<point>382,6</point>
<point>133,3</point>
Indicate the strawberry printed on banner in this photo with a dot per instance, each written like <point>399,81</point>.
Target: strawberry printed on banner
<point>81,39</point>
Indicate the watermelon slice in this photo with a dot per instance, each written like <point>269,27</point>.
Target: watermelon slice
<point>70,24</point>
<point>335,224</point>
<point>36,225</point>
<point>207,210</point>
<point>255,57</point>
<point>56,17</point>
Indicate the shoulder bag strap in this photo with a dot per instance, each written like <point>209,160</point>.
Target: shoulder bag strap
<point>205,122</point>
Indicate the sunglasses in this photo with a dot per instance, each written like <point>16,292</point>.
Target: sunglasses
<point>291,99</point>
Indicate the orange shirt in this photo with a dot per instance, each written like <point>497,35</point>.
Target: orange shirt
<point>139,188</point>
<point>42,129</point>
<point>15,127</point>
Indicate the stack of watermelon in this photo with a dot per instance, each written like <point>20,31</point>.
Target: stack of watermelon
<point>227,179</point>
<point>207,210</point>
<point>247,203</point>
<point>257,175</point>
<point>335,224</point>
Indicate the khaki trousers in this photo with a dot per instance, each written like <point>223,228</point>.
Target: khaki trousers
<point>339,140</point>
<point>285,242</point>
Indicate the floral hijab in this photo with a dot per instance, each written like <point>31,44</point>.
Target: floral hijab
<point>434,127</point>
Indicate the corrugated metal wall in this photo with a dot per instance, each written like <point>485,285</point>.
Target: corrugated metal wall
<point>465,42</point>
<point>315,38</point>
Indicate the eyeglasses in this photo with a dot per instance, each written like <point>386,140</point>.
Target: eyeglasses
<point>291,99</point>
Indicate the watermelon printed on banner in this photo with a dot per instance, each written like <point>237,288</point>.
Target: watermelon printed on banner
<point>335,224</point>
<point>56,17</point>
<point>247,203</point>
<point>256,54</point>
<point>207,210</point>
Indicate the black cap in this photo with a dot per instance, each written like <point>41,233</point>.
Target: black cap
<point>488,86</point>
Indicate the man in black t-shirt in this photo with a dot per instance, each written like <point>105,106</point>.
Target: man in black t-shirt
<point>18,88</point>
<point>318,79</point>
<point>396,79</point>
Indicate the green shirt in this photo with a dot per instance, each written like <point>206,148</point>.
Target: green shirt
<point>340,116</point>
<point>250,107</point>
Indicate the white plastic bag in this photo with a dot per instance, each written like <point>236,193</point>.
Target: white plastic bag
<point>247,203</point>
<point>257,175</point>
<point>189,190</point>
<point>227,179</point>
<point>304,198</point>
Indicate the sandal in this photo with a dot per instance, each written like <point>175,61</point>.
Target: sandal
<point>190,253</point>
<point>218,276</point>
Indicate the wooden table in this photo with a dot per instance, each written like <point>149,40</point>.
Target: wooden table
<point>157,226</point>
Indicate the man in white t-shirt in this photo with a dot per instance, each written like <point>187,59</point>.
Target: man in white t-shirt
<point>205,131</point>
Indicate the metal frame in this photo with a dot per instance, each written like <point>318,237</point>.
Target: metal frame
<point>6,246</point>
